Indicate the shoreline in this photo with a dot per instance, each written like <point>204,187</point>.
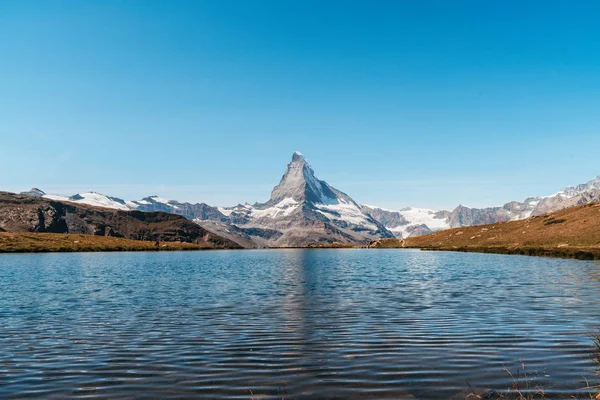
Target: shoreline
<point>589,254</point>
<point>20,243</point>
<point>565,252</point>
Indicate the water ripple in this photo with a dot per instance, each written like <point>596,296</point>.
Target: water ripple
<point>327,324</point>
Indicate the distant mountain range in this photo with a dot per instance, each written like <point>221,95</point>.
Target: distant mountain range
<point>304,210</point>
<point>411,222</point>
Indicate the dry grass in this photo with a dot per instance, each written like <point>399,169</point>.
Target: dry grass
<point>523,388</point>
<point>280,393</point>
<point>596,355</point>
<point>56,242</point>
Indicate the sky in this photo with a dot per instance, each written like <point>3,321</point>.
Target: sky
<point>397,103</point>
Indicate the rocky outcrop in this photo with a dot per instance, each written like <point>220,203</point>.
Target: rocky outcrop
<point>418,230</point>
<point>34,192</point>
<point>23,213</point>
<point>389,219</point>
<point>465,216</point>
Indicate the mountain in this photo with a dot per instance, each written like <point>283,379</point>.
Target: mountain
<point>304,210</point>
<point>25,213</point>
<point>301,211</point>
<point>514,210</point>
<point>411,222</point>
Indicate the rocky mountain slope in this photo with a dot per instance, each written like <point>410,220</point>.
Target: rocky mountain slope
<point>23,213</point>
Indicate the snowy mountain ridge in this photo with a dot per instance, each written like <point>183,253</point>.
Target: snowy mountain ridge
<point>415,221</point>
<point>304,210</point>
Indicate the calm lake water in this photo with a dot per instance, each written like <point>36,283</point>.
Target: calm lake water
<point>315,324</point>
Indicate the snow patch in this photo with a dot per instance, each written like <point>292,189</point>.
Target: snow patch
<point>420,216</point>
<point>378,208</point>
<point>160,200</point>
<point>225,211</point>
<point>282,209</point>
<point>400,231</point>
<point>347,212</point>
<point>98,200</point>
<point>55,197</point>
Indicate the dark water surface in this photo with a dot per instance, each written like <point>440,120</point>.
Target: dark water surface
<point>324,324</point>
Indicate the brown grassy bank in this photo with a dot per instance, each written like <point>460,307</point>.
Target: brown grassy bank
<point>57,242</point>
<point>569,233</point>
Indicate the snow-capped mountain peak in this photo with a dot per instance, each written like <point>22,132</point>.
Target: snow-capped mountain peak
<point>159,199</point>
<point>99,200</point>
<point>300,183</point>
<point>304,210</point>
<point>573,191</point>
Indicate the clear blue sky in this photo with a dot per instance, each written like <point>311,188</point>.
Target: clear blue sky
<point>397,103</point>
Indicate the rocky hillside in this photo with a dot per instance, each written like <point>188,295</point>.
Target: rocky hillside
<point>25,213</point>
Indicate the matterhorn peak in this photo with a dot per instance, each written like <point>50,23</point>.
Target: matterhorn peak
<point>297,156</point>
<point>300,183</point>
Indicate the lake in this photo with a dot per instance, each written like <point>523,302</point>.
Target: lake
<point>304,324</point>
